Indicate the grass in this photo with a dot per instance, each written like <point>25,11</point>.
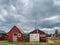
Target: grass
<point>29,43</point>
<point>16,43</point>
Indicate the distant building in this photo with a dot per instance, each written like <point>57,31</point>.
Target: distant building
<point>2,35</point>
<point>56,35</point>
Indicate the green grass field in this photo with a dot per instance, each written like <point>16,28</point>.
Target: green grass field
<point>57,42</point>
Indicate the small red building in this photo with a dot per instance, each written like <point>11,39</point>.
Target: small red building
<point>2,35</point>
<point>37,35</point>
<point>15,34</point>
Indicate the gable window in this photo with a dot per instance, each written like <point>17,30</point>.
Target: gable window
<point>19,35</point>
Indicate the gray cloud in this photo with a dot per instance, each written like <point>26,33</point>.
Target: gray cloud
<point>24,12</point>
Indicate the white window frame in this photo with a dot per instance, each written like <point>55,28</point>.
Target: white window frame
<point>14,33</point>
<point>19,34</point>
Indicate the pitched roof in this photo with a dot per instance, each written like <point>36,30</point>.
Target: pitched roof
<point>17,28</point>
<point>1,31</point>
<point>42,32</point>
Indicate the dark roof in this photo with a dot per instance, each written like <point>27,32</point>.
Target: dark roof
<point>1,31</point>
<point>38,31</point>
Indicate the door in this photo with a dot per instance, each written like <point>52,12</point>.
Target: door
<point>34,37</point>
<point>14,37</point>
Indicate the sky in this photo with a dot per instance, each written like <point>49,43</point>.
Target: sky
<point>24,14</point>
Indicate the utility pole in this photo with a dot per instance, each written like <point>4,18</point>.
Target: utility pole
<point>36,21</point>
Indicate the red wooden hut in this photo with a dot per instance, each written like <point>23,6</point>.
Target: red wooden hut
<point>15,34</point>
<point>2,35</point>
<point>37,35</point>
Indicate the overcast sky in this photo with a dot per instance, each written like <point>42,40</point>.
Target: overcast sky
<point>23,13</point>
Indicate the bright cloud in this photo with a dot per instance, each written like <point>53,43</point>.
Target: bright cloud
<point>27,5</point>
<point>53,18</point>
<point>56,2</point>
<point>51,30</point>
<point>27,2</point>
<point>2,18</point>
<point>13,8</point>
<point>21,18</point>
<point>4,12</point>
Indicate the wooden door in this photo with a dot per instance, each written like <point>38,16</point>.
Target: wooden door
<point>14,37</point>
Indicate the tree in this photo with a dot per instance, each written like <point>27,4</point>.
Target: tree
<point>56,32</point>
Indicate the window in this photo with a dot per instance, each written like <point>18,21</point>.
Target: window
<point>19,35</point>
<point>14,34</point>
<point>42,35</point>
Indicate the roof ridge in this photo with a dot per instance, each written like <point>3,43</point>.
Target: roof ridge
<point>18,28</point>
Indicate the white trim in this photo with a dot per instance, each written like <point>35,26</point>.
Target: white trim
<point>34,37</point>
<point>19,34</point>
<point>14,33</point>
<point>42,35</point>
<point>14,37</point>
